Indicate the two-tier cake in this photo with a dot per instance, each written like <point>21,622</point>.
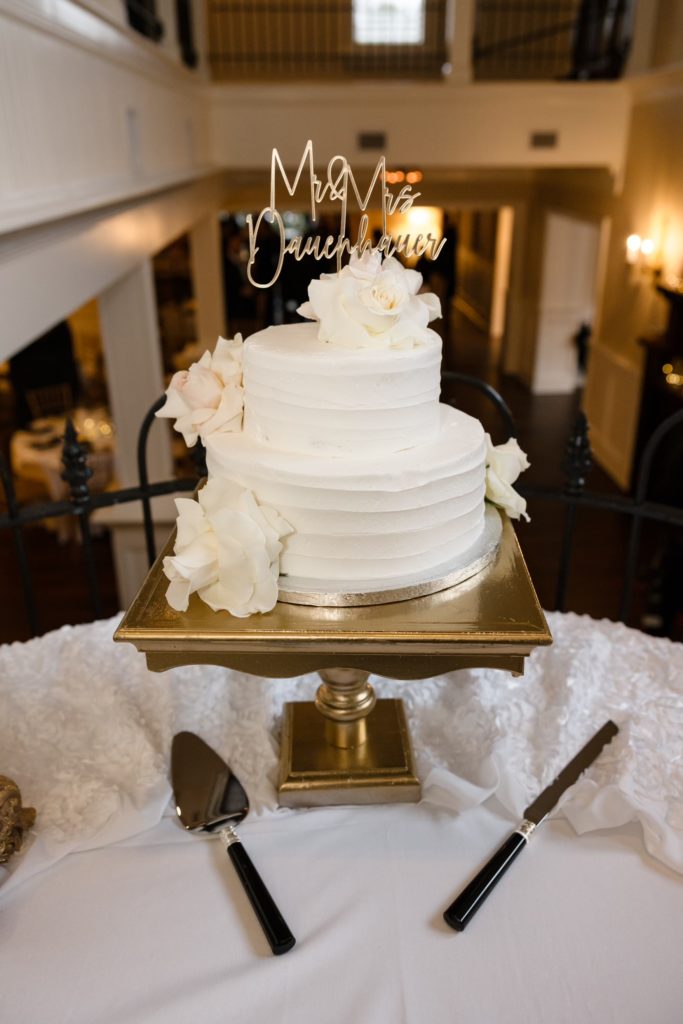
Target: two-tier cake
<point>333,466</point>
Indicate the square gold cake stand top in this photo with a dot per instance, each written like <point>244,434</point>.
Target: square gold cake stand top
<point>347,747</point>
<point>493,620</point>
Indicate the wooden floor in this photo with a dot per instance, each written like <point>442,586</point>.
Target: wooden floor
<point>543,424</point>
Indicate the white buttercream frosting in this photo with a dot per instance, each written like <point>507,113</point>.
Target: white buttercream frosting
<point>302,395</point>
<point>367,516</point>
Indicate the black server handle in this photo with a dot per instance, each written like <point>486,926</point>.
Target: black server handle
<point>465,906</point>
<point>272,922</point>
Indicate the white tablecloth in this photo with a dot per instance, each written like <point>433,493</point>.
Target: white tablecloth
<point>155,928</point>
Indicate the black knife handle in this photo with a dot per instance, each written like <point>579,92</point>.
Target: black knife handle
<point>271,920</point>
<point>465,906</point>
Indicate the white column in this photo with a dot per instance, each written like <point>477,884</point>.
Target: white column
<point>130,338</point>
<point>207,278</point>
<point>501,270</point>
<point>459,35</point>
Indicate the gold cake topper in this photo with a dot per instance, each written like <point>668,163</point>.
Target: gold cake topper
<point>340,182</point>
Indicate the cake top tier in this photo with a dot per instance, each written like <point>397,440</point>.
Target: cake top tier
<point>304,395</point>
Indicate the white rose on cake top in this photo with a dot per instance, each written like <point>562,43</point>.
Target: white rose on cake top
<point>372,303</point>
<point>504,463</point>
<point>227,549</point>
<point>209,396</point>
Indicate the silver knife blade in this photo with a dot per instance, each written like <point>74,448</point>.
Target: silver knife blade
<point>544,803</point>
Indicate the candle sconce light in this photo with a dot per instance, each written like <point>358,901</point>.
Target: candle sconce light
<point>642,255</point>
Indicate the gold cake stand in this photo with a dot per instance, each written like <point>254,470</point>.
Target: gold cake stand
<point>346,747</point>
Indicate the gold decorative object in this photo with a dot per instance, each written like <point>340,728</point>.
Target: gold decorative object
<point>347,747</point>
<point>14,819</point>
<point>337,186</point>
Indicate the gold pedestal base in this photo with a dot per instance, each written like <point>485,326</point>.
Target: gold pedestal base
<point>342,750</point>
<point>313,772</point>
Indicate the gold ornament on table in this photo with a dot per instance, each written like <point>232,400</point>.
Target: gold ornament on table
<point>14,819</point>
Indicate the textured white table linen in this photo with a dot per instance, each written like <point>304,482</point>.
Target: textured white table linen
<point>86,730</point>
<point>151,925</point>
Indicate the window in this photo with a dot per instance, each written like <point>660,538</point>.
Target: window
<point>393,22</point>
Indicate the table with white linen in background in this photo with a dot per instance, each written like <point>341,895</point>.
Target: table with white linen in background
<point>112,914</point>
<point>36,457</point>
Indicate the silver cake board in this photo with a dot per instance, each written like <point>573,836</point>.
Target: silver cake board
<point>294,590</point>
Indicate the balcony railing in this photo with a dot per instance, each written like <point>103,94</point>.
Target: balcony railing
<point>326,39</point>
<point>347,39</point>
<point>551,39</point>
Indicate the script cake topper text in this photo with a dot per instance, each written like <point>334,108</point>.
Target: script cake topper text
<point>338,185</point>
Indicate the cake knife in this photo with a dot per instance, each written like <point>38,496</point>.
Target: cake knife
<point>464,907</point>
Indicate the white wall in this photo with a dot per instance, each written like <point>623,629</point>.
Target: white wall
<point>47,272</point>
<point>650,205</point>
<point>90,113</point>
<point>567,299</point>
<point>482,125</point>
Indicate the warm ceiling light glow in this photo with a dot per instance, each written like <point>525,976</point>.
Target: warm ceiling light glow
<point>647,246</point>
<point>413,177</point>
<point>667,368</point>
<point>675,379</point>
<point>419,216</point>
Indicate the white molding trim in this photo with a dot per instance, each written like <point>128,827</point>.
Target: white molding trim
<point>48,271</point>
<point>48,205</point>
<point>84,25</point>
<point>657,83</point>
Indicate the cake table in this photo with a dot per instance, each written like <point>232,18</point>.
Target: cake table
<point>347,747</point>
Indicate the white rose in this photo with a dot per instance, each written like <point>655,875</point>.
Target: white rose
<point>227,549</point>
<point>365,267</point>
<point>371,304</point>
<point>504,463</point>
<point>209,396</point>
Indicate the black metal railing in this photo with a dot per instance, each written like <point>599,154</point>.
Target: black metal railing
<point>324,39</point>
<point>572,497</point>
<point>343,39</point>
<point>551,39</point>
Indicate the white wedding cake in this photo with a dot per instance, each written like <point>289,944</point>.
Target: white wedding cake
<point>333,467</point>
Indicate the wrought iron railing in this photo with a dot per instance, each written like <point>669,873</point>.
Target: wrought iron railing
<point>319,39</point>
<point>551,39</point>
<point>572,497</point>
<point>345,39</point>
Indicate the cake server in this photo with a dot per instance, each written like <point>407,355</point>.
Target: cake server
<point>209,797</point>
<point>464,907</point>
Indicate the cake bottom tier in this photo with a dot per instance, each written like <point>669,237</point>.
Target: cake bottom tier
<point>368,523</point>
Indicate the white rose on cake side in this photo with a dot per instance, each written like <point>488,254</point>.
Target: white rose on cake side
<point>227,549</point>
<point>372,304</point>
<point>504,463</point>
<point>208,397</point>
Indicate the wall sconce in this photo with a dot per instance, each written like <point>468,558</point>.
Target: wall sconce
<point>640,252</point>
